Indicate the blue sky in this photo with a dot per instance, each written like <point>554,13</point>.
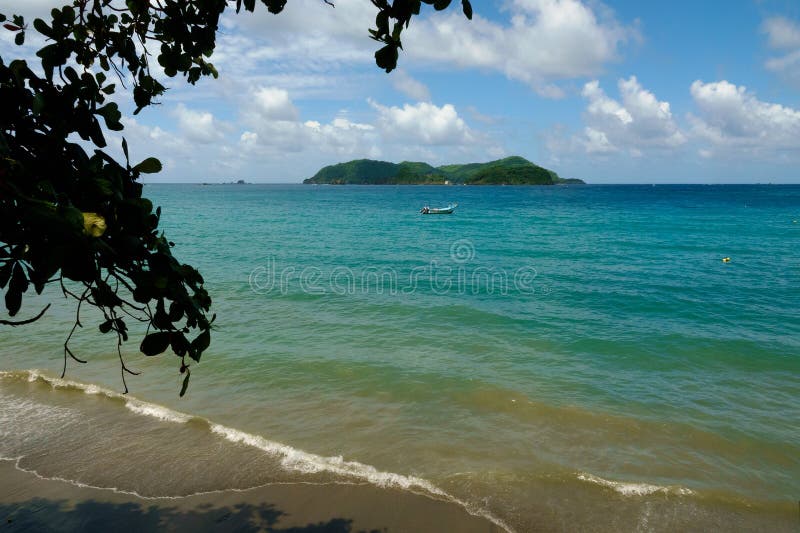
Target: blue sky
<point>615,92</point>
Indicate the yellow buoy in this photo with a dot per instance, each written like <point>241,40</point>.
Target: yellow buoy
<point>726,259</point>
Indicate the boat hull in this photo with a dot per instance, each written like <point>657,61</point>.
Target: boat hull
<point>439,210</point>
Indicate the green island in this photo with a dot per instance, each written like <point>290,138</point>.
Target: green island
<point>513,170</point>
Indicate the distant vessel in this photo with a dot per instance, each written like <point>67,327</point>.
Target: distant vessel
<point>438,210</point>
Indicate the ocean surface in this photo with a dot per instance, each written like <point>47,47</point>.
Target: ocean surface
<point>553,358</point>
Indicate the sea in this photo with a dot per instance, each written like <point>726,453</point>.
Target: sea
<point>565,358</point>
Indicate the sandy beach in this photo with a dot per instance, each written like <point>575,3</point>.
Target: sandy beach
<point>28,503</point>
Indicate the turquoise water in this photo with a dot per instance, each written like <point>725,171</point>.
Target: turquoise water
<point>553,357</point>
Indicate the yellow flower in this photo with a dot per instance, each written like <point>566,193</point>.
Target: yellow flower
<point>93,224</point>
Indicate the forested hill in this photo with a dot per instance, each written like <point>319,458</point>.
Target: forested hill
<point>509,171</point>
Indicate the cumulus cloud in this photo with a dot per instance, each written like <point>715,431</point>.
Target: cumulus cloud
<point>423,123</point>
<point>783,35</point>
<point>601,105</point>
<point>635,123</point>
<point>271,138</point>
<point>272,103</point>
<point>197,126</point>
<point>339,136</point>
<point>175,150</point>
<point>732,119</point>
<point>412,131</point>
<point>545,41</point>
<point>596,142</point>
<point>273,124</point>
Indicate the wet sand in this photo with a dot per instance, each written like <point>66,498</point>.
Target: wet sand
<point>28,503</point>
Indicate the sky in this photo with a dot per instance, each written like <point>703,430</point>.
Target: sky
<point>620,91</point>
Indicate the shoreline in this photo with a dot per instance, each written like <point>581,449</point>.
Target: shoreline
<point>31,503</point>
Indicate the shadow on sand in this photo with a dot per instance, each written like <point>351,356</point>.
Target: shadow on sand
<point>45,515</point>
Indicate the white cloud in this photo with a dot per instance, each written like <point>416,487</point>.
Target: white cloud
<point>732,118</point>
<point>31,9</point>
<point>273,123</point>
<point>423,123</point>
<point>480,117</point>
<point>545,41</point>
<point>272,103</point>
<point>309,44</point>
<point>271,138</point>
<point>409,86</point>
<point>172,149</point>
<point>634,125</point>
<point>602,106</point>
<point>249,138</point>
<point>637,123</point>
<point>787,65</point>
<point>197,126</point>
<point>597,142</point>
<point>783,35</point>
<point>306,39</point>
<point>310,49</point>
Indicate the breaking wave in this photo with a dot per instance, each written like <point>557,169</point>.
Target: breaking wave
<point>291,459</point>
<point>634,489</point>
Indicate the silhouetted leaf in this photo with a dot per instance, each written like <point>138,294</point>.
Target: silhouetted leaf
<point>151,165</point>
<point>386,57</point>
<point>125,150</point>
<point>185,384</point>
<point>467,8</point>
<point>179,344</point>
<point>175,312</point>
<point>155,343</point>
<point>199,344</point>
<point>42,27</point>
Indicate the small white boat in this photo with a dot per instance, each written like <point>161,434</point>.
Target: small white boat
<point>438,210</point>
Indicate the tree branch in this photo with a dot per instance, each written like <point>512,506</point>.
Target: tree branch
<point>15,323</point>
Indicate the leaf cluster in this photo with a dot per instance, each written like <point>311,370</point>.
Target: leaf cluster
<point>393,18</point>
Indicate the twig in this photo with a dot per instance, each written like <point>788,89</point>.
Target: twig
<point>72,331</point>
<point>123,368</point>
<point>15,323</point>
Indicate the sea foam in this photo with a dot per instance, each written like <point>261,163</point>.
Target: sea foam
<point>59,383</point>
<point>300,461</point>
<point>296,460</point>
<point>634,489</point>
<point>157,411</point>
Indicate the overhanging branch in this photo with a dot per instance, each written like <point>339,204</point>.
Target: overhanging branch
<point>15,323</point>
